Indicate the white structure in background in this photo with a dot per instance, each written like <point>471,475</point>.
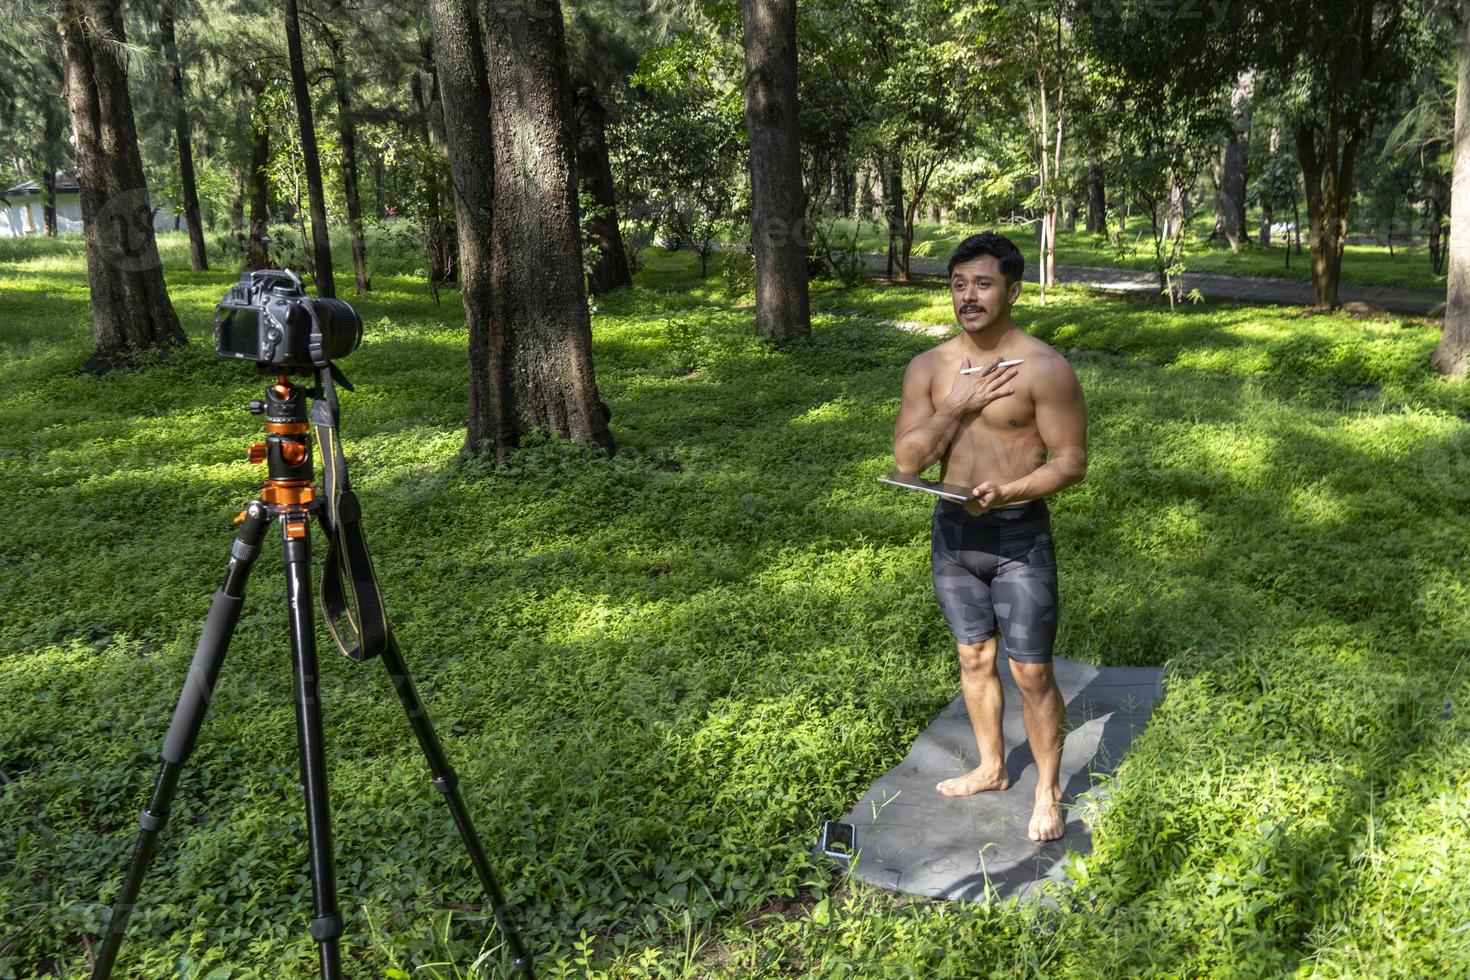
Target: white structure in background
<point>22,208</point>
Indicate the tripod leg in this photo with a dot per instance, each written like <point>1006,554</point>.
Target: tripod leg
<point>183,730</point>
<point>326,924</point>
<point>446,781</point>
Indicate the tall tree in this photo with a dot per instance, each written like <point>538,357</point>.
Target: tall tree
<point>1452,356</point>
<point>1336,66</point>
<point>198,261</point>
<point>257,255</point>
<point>1230,205</point>
<point>610,269</point>
<point>321,246</point>
<point>130,304</point>
<point>465,88</point>
<point>540,356</point>
<point>347,131</point>
<point>778,201</point>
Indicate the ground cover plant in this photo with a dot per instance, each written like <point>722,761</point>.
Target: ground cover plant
<point>657,674</point>
<point>1406,267</point>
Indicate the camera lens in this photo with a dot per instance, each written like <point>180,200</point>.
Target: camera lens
<point>340,325</point>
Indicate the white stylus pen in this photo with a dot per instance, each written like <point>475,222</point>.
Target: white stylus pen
<point>1002,364</point>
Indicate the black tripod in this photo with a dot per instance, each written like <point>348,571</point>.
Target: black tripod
<point>289,497</point>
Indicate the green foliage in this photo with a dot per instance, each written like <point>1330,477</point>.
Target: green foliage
<point>678,151</point>
<point>657,674</point>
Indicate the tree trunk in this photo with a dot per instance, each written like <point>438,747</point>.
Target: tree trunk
<point>257,255</point>
<point>595,173</point>
<point>130,304</point>
<point>1452,356</point>
<point>48,201</point>
<point>198,261</point>
<point>1233,166</point>
<point>543,349</point>
<point>48,153</point>
<point>347,131</point>
<point>1097,199</point>
<point>890,181</point>
<point>464,88</point>
<point>321,247</point>
<point>1327,173</point>
<point>778,201</point>
<point>441,260</point>
<point>237,205</point>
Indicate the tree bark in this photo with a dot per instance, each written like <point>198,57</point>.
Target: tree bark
<point>595,172</point>
<point>543,347</point>
<point>321,247</point>
<point>48,200</point>
<point>465,89</point>
<point>1452,356</point>
<point>778,200</point>
<point>1097,199</point>
<point>347,131</point>
<point>52,126</point>
<point>1328,175</point>
<point>198,260</point>
<point>438,252</point>
<point>1233,165</point>
<point>130,303</point>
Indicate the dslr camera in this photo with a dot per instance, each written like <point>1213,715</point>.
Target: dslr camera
<point>267,318</point>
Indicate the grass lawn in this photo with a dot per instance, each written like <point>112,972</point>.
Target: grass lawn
<point>1362,265</point>
<point>657,674</point>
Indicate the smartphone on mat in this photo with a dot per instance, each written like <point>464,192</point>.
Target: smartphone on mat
<point>839,840</point>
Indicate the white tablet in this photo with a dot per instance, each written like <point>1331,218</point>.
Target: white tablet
<point>948,491</point>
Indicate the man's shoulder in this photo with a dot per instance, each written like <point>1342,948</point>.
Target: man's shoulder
<point>1044,360</point>
<point>926,361</point>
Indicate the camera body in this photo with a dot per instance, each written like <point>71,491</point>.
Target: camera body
<point>267,318</point>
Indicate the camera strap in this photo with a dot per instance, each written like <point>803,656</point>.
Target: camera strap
<point>351,600</point>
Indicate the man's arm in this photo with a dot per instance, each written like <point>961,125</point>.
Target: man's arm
<point>921,434</point>
<point>1061,421</point>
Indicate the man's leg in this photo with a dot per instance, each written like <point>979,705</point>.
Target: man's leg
<point>1044,714</point>
<point>985,703</point>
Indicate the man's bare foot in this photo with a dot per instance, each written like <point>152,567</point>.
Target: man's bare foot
<point>977,780</point>
<point>1046,818</point>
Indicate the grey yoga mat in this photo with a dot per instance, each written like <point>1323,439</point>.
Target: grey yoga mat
<point>910,838</point>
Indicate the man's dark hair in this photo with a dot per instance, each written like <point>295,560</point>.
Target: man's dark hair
<point>1012,263</point>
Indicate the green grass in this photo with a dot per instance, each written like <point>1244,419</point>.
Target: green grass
<point>657,674</point>
<point>1362,265</point>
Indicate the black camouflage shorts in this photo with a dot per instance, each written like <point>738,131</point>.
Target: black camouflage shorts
<point>997,569</point>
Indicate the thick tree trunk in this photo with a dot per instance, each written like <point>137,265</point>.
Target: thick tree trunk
<point>257,255</point>
<point>778,201</point>
<point>544,345</point>
<point>347,131</point>
<point>1097,199</point>
<point>1452,356</point>
<point>198,261</point>
<point>1233,165</point>
<point>321,246</point>
<point>130,303</point>
<point>465,89</point>
<point>595,173</point>
<point>1328,175</point>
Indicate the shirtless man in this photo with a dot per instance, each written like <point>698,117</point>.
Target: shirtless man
<point>1016,435</point>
